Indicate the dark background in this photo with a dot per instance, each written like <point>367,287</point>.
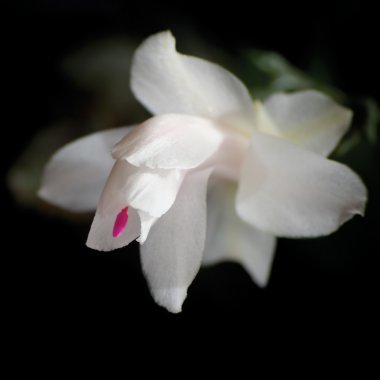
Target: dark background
<point>59,290</point>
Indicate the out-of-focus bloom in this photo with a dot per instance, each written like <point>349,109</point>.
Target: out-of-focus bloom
<point>262,169</point>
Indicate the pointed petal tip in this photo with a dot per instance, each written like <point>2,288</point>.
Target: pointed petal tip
<point>44,194</point>
<point>49,197</point>
<point>41,193</point>
<point>156,42</point>
<point>171,299</point>
<point>164,37</point>
<point>361,212</point>
<point>262,283</point>
<point>359,208</point>
<point>349,113</point>
<point>164,34</point>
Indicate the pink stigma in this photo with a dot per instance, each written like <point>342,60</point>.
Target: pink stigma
<point>120,222</point>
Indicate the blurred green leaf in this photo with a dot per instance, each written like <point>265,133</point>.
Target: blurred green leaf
<point>267,72</point>
<point>364,127</point>
<point>373,118</point>
<point>348,143</point>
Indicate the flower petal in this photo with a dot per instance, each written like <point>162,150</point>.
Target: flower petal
<point>289,191</point>
<point>172,254</point>
<point>100,236</point>
<point>170,142</point>
<point>75,175</point>
<point>147,222</point>
<point>149,192</point>
<point>165,81</point>
<point>307,118</point>
<point>231,239</point>
<point>228,160</point>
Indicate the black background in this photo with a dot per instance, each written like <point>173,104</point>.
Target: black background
<point>59,291</point>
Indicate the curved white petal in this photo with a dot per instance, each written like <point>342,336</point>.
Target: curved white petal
<point>168,82</point>
<point>75,175</point>
<point>100,236</point>
<point>231,239</point>
<point>147,222</point>
<point>170,142</point>
<point>307,118</point>
<point>172,254</point>
<point>289,191</point>
<point>149,192</point>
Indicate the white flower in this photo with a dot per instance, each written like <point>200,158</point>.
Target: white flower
<point>266,164</point>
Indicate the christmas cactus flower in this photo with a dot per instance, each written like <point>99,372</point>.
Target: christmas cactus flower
<point>211,176</point>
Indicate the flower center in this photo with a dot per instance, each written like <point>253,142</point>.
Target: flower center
<point>120,222</point>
